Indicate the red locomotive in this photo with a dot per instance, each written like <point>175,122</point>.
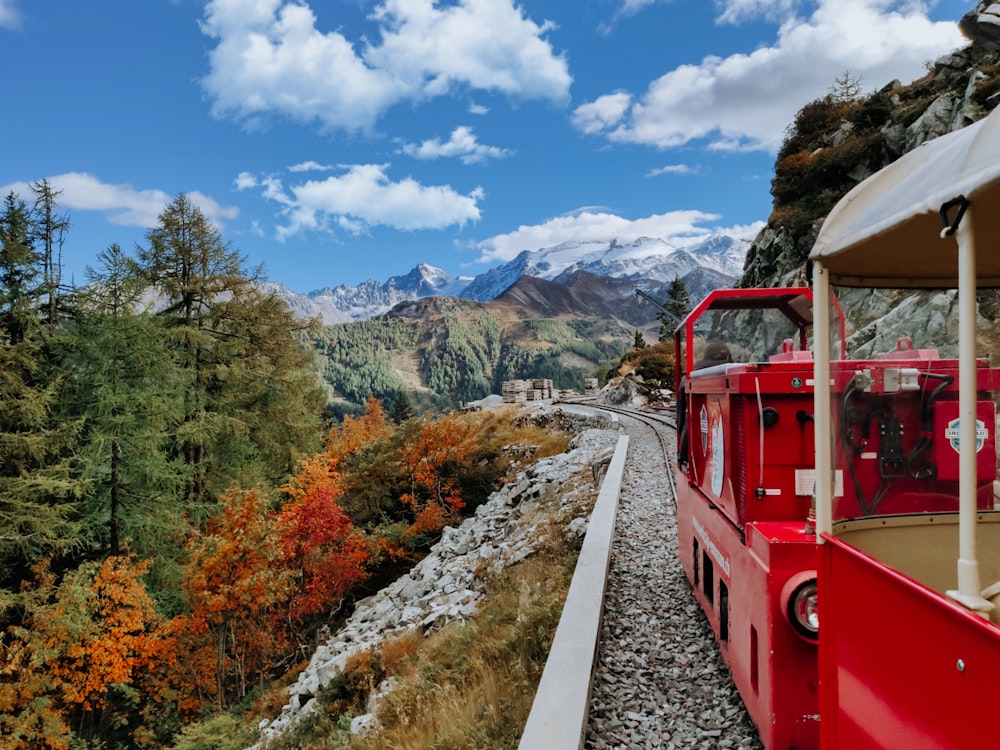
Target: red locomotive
<point>842,538</point>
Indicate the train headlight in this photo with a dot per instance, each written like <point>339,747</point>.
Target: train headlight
<point>799,602</point>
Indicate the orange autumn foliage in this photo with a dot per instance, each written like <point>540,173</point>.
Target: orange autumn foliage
<point>320,547</point>
<point>233,584</point>
<point>431,461</point>
<point>324,468</point>
<point>92,661</point>
<point>61,668</point>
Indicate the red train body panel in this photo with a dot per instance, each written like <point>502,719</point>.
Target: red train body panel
<point>903,665</point>
<point>749,548</point>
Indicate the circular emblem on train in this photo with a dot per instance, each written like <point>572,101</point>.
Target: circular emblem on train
<point>954,438</point>
<point>796,382</point>
<point>718,458</point>
<point>704,427</point>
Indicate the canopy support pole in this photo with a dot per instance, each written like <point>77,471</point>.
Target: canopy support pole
<point>821,401</point>
<point>969,587</point>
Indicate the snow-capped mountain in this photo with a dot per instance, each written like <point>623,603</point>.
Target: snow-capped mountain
<point>646,258</point>
<point>343,304</point>
<point>716,260</point>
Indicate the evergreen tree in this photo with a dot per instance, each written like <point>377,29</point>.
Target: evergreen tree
<point>252,401</point>
<point>678,303</point>
<point>49,231</point>
<point>19,283</point>
<point>126,388</point>
<point>39,485</point>
<point>638,341</point>
<point>401,410</point>
<point>847,87</point>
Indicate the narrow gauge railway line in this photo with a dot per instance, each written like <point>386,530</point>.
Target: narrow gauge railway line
<point>659,681</point>
<point>664,427</point>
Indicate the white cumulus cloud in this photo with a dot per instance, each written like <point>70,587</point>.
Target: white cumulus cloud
<point>271,59</point>
<point>737,11</point>
<point>672,169</point>
<point>122,204</point>
<point>604,112</point>
<point>363,196</point>
<point>595,224</point>
<point>745,101</point>
<point>310,166</point>
<point>462,145</point>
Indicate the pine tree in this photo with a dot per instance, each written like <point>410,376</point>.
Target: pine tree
<point>401,410</point>
<point>126,389</point>
<point>678,303</point>
<point>638,341</point>
<point>252,401</point>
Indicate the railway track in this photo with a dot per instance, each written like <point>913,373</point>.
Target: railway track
<point>658,680</point>
<point>664,426</point>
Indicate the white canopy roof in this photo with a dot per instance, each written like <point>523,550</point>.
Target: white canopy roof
<point>887,231</point>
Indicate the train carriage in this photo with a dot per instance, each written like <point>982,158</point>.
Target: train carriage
<point>842,540</point>
<point>910,643</point>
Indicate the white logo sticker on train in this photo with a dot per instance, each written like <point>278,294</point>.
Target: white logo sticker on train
<point>952,433</point>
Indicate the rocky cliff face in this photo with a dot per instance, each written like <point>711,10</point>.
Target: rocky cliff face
<point>839,140</point>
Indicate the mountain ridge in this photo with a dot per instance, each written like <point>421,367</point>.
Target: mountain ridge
<point>647,262</point>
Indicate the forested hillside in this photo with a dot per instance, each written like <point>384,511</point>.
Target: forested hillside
<point>441,351</point>
<point>176,520</point>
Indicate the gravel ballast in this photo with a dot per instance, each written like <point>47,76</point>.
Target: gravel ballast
<point>659,680</point>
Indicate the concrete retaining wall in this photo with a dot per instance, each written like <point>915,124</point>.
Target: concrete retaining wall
<point>558,719</point>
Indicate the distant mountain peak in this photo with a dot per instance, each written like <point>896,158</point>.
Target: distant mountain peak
<point>709,261</point>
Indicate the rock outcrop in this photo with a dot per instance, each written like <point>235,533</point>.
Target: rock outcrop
<point>982,25</point>
<point>837,141</point>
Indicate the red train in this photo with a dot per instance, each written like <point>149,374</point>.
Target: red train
<point>842,540</point>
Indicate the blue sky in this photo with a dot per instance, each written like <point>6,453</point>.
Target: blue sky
<point>340,140</point>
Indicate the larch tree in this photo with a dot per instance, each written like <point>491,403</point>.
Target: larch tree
<point>126,389</point>
<point>252,399</point>
<point>20,285</point>
<point>39,485</point>
<point>49,232</point>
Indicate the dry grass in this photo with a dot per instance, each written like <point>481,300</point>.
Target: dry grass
<point>501,427</point>
<point>465,687</point>
<point>471,687</point>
